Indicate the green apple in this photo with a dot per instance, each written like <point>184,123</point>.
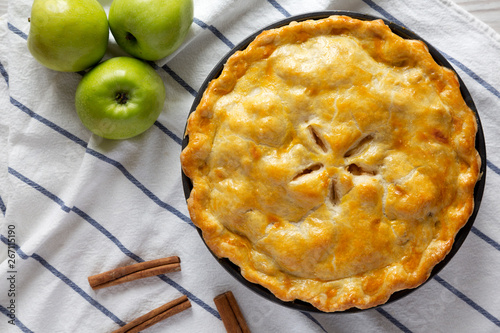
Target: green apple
<point>150,29</point>
<point>120,98</point>
<point>68,35</point>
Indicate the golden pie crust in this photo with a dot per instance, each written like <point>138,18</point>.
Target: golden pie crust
<point>332,161</point>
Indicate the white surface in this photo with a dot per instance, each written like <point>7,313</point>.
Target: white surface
<point>3,7</point>
<point>81,205</point>
<point>487,11</point>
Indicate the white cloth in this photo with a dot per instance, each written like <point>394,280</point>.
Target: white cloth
<point>79,205</point>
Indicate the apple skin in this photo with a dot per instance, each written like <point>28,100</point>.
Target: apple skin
<point>150,29</point>
<point>120,98</point>
<point>68,35</point>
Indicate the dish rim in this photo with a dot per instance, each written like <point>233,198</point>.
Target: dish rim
<point>480,145</point>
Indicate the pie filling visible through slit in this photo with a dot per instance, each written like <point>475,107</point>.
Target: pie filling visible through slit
<point>332,161</point>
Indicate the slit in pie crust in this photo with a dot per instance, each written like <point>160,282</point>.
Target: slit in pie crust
<point>332,161</point>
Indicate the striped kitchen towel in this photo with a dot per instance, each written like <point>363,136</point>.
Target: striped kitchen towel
<point>73,205</point>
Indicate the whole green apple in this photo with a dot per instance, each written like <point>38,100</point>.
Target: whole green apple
<point>120,98</point>
<point>150,29</point>
<point>68,35</point>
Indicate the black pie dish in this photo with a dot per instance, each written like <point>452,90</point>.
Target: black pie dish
<point>234,270</point>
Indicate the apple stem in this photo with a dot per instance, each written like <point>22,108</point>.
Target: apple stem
<point>121,98</point>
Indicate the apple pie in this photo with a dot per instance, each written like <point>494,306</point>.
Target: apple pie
<point>333,162</point>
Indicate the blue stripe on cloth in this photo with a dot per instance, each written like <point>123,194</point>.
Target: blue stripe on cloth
<point>39,189</point>
<point>191,296</point>
<point>66,280</point>
<point>17,31</point>
<point>140,186</point>
<point>314,320</point>
<point>487,239</point>
<point>4,74</point>
<point>115,241</point>
<point>103,158</point>
<point>168,132</point>
<point>382,11</point>
<point>493,167</point>
<point>47,122</point>
<point>17,322</point>
<point>106,233</point>
<point>467,300</point>
<point>2,206</point>
<point>282,10</point>
<point>76,288</point>
<point>179,80</point>
<point>215,31</point>
<point>473,75</point>
<point>393,320</point>
<point>176,77</point>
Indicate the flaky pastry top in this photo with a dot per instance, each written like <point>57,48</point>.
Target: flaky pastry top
<point>332,161</point>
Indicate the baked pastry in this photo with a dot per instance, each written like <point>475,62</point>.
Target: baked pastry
<point>332,161</point>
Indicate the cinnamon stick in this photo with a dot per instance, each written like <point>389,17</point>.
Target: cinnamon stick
<point>135,271</point>
<point>149,319</point>
<point>230,313</point>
